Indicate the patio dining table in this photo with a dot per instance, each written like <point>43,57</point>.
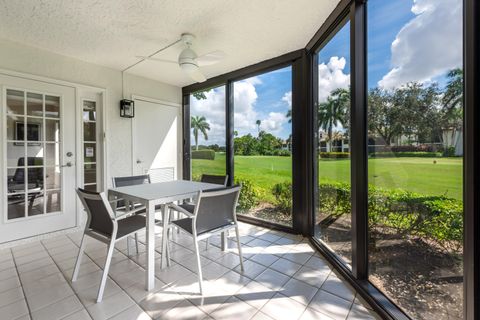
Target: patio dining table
<point>152,195</point>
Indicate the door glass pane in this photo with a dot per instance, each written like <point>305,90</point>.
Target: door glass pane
<point>52,130</point>
<point>16,180</point>
<point>53,199</point>
<point>15,102</point>
<point>34,129</point>
<point>415,147</point>
<point>91,187</point>
<point>34,104</point>
<point>90,173</point>
<point>333,215</point>
<point>90,152</point>
<point>15,154</point>
<point>89,131</point>
<point>52,155</point>
<point>207,132</point>
<point>35,179</point>
<point>263,144</point>
<point>35,203</point>
<point>15,127</point>
<point>52,107</point>
<point>53,178</point>
<point>16,206</point>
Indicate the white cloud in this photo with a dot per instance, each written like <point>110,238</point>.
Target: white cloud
<point>287,97</point>
<point>213,109</point>
<point>428,45</point>
<point>331,77</point>
<point>274,123</point>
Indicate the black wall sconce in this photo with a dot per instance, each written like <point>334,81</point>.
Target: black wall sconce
<point>127,108</point>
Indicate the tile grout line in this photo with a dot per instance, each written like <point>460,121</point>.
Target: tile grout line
<point>67,280</point>
<point>21,284</point>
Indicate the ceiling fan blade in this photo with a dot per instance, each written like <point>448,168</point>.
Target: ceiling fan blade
<point>210,58</point>
<point>155,59</point>
<point>197,75</point>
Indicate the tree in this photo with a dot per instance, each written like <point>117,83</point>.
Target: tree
<point>289,116</point>
<point>258,123</point>
<point>268,143</point>
<point>200,95</point>
<point>199,124</point>
<point>452,113</point>
<point>334,111</point>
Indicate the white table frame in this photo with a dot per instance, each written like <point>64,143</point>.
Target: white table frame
<point>152,195</point>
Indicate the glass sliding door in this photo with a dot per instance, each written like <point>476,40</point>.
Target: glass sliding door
<point>263,145</point>
<point>333,212</point>
<point>207,132</point>
<point>415,149</point>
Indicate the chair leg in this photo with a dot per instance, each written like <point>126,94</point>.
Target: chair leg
<point>79,259</point>
<point>199,265</point>
<point>136,242</point>
<point>128,246</point>
<point>105,270</point>
<point>167,251</point>
<point>239,247</point>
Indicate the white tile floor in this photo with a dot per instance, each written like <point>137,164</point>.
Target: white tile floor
<point>284,279</point>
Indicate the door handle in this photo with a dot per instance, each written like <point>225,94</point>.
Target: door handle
<point>139,161</point>
<point>68,164</point>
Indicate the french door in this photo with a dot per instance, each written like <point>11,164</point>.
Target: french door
<point>38,158</point>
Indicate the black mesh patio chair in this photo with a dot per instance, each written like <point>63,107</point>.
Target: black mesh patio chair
<point>103,225</point>
<point>213,213</point>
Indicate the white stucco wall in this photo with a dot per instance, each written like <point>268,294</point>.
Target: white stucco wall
<point>30,60</point>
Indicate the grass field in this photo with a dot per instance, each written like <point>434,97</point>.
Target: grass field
<point>419,175</point>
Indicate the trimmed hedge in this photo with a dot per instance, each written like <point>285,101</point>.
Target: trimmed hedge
<point>436,218</point>
<point>206,154</point>
<point>405,154</point>
<point>334,155</point>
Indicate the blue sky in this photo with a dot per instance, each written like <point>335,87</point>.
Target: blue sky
<point>407,41</point>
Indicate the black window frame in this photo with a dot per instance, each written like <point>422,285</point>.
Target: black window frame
<point>304,135</point>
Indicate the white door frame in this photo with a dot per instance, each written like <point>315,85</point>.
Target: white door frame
<point>156,101</point>
<point>78,106</point>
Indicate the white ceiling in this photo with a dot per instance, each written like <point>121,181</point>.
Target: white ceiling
<point>112,32</point>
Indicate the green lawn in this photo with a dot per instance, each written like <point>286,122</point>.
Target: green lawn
<point>413,174</point>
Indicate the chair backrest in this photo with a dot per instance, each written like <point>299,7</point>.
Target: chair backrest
<point>35,175</point>
<point>215,179</point>
<point>215,209</point>
<point>100,214</point>
<point>130,180</point>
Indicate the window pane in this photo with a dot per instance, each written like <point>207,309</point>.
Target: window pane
<point>34,104</point>
<point>207,132</point>
<point>333,215</point>
<point>15,102</point>
<point>263,144</point>
<point>89,131</point>
<point>52,107</point>
<point>52,154</point>
<point>15,154</point>
<point>415,138</point>
<point>90,152</point>
<point>16,206</point>
<point>53,178</point>
<point>15,127</point>
<point>53,199</point>
<point>90,172</point>
<point>16,180</point>
<point>89,111</point>
<point>52,130</point>
<point>35,203</point>
<point>34,129</point>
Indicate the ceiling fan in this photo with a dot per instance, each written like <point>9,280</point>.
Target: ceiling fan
<point>188,60</point>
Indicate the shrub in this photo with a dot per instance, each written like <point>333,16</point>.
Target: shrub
<point>203,154</point>
<point>334,155</point>
<point>449,152</point>
<point>283,196</point>
<point>410,148</point>
<point>436,218</point>
<point>282,153</point>
<point>248,195</point>
<point>417,154</point>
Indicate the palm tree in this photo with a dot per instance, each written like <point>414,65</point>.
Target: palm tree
<point>198,123</point>
<point>258,123</point>
<point>289,116</point>
<point>334,111</point>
